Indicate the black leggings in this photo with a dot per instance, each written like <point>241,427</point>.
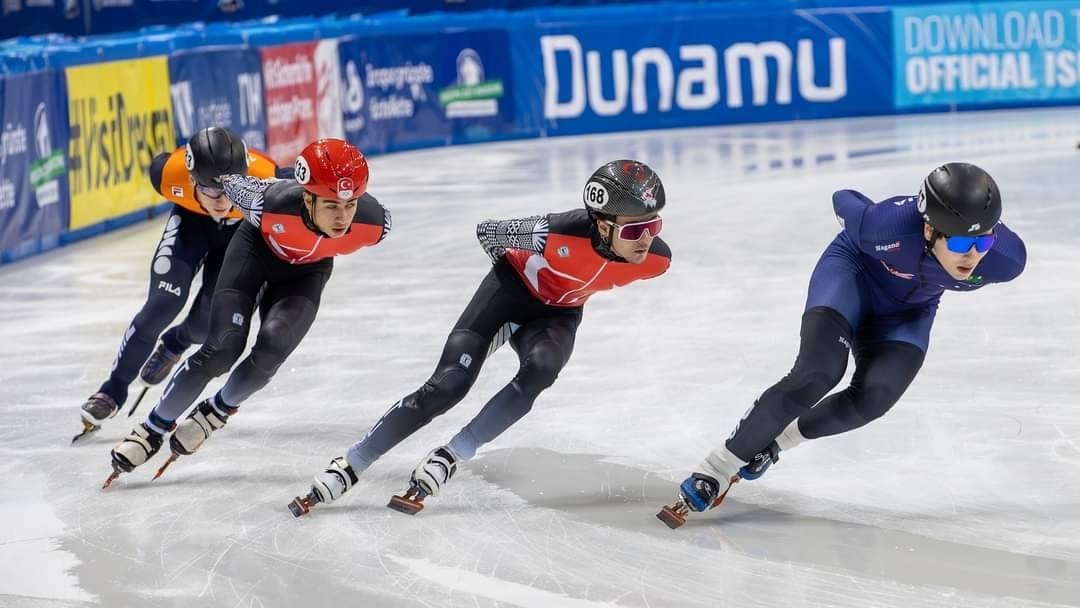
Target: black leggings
<point>543,340</point>
<point>189,241</point>
<point>289,305</point>
<point>883,371</point>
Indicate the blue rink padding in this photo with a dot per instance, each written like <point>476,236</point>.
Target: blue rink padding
<point>395,80</point>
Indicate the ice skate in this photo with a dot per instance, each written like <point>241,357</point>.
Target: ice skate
<point>194,431</point>
<point>97,409</point>
<point>329,485</point>
<point>139,446</point>
<point>428,478</point>
<point>156,369</point>
<point>699,492</point>
<point>760,462</point>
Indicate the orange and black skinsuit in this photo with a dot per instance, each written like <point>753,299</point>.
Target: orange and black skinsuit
<point>546,267</point>
<point>191,240</point>
<point>278,245</point>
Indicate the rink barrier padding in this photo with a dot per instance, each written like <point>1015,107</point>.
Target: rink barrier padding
<point>83,119</point>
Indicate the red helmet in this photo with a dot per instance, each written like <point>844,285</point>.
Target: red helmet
<point>332,168</point>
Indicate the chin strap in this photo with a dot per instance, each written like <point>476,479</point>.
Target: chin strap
<point>602,247</point>
<point>309,223</point>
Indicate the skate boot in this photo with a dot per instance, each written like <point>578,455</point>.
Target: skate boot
<point>705,489</point>
<point>97,409</point>
<point>699,492</point>
<point>429,477</point>
<point>156,369</point>
<point>329,485</point>
<point>139,446</point>
<point>195,430</point>
<point>158,366</point>
<point>760,462</point>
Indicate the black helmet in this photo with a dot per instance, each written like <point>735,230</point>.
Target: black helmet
<point>624,187</point>
<point>959,199</point>
<point>214,152</point>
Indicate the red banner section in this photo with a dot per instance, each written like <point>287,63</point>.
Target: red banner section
<point>291,90</point>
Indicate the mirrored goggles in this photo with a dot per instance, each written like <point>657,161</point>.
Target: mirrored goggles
<point>211,191</point>
<point>963,244</point>
<point>636,230</point>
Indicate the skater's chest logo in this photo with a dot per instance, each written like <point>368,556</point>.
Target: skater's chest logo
<point>563,251</point>
<point>888,247</point>
<point>278,228</point>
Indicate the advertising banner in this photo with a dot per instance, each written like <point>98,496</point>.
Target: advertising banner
<point>218,88</point>
<point>302,96</point>
<point>33,170</point>
<point>422,90</point>
<point>120,116</point>
<point>703,68</point>
<point>986,52</point>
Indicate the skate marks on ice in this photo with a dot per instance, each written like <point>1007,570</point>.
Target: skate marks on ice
<point>587,488</point>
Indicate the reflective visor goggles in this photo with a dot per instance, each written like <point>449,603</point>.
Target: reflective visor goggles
<point>211,191</point>
<point>636,230</point>
<point>963,244</point>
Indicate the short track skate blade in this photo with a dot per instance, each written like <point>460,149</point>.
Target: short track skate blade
<point>672,517</point>
<point>410,504</point>
<point>301,506</point>
<point>138,400</point>
<point>171,460</point>
<point>112,476</point>
<point>87,429</point>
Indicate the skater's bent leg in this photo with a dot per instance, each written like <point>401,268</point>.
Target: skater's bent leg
<point>230,321</point>
<point>544,347</point>
<point>286,323</point>
<point>882,373</point>
<point>162,305</point>
<point>823,355</point>
<point>461,359</point>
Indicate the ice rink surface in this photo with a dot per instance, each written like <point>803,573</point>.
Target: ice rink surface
<point>966,494</point>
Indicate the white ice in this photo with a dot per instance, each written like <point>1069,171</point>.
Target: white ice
<point>966,494</point>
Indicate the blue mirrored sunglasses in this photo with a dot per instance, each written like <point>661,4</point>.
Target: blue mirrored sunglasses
<point>963,244</point>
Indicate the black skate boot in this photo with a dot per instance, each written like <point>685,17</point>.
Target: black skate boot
<point>158,366</point>
<point>97,409</point>
<point>156,369</point>
<point>427,479</point>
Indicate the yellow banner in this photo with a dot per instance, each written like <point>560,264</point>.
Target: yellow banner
<point>121,117</point>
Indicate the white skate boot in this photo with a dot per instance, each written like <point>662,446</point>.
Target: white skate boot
<point>329,485</point>
<point>427,480</point>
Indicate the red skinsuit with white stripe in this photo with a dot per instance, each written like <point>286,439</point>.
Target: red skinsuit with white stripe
<point>276,207</point>
<point>555,256</point>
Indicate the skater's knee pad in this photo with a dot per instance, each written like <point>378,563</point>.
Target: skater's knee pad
<point>440,393</point>
<point>824,347</point>
<point>454,376</point>
<point>873,400</point>
<point>540,368</point>
<point>272,347</point>
<point>218,356</point>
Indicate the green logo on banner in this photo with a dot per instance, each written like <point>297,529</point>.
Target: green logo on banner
<point>47,168</point>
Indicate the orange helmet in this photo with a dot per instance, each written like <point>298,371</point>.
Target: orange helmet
<point>332,168</point>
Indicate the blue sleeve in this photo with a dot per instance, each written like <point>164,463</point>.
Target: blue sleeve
<point>1007,259</point>
<point>850,207</point>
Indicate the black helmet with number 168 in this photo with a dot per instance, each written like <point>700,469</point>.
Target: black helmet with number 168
<point>624,187</point>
